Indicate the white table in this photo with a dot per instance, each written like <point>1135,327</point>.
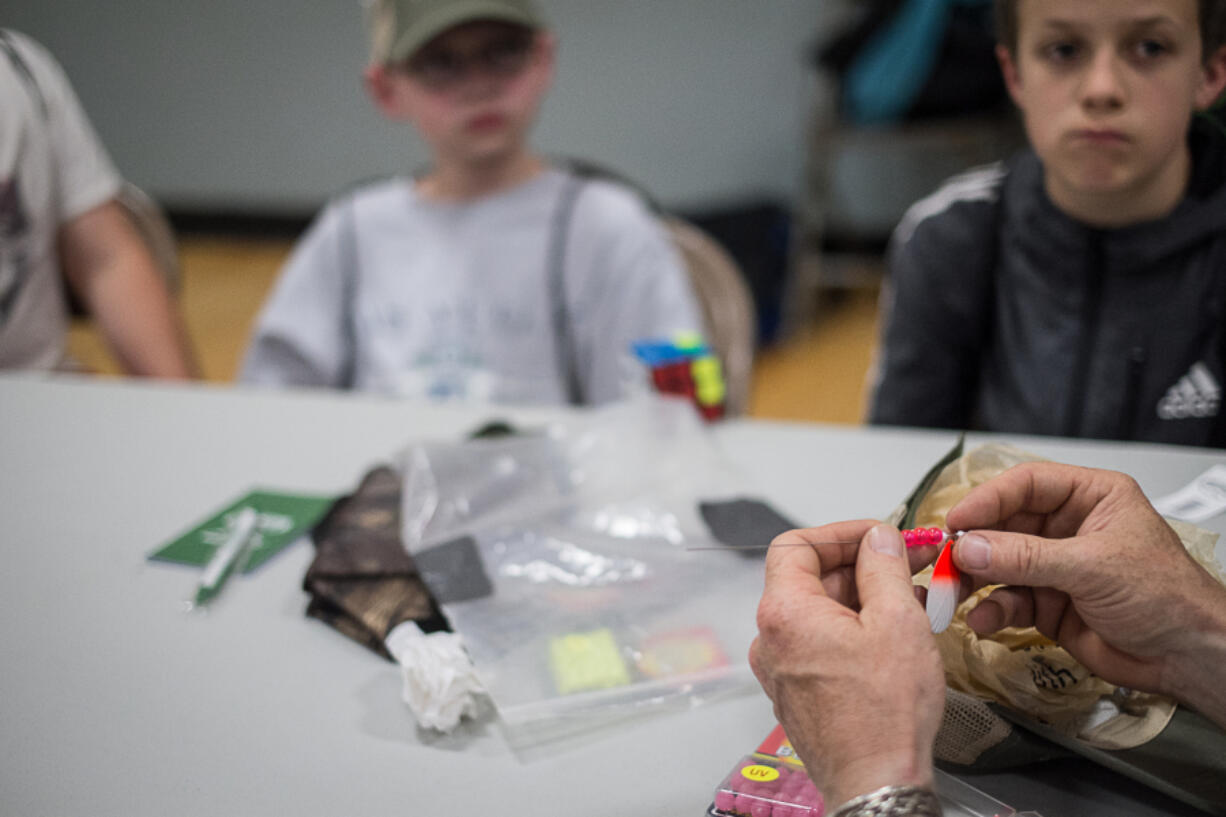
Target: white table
<point>114,701</point>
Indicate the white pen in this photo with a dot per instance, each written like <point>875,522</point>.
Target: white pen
<point>226,556</point>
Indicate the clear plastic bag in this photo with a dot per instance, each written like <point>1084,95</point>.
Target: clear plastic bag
<point>562,558</point>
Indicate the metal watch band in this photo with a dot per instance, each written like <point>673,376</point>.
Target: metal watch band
<point>892,801</point>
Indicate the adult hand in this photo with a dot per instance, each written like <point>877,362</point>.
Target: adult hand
<point>1092,565</point>
<point>845,653</point>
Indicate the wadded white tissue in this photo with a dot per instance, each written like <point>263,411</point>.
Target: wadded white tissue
<point>440,686</point>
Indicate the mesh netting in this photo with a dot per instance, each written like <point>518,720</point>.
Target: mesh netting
<point>968,729</point>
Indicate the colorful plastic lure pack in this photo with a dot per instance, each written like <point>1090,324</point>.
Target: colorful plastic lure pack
<point>772,782</point>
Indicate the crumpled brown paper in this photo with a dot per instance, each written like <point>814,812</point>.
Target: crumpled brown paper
<point>1022,669</point>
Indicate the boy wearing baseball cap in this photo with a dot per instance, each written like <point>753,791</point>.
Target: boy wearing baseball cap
<point>493,275</point>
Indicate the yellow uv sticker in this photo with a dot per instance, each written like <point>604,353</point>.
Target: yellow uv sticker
<point>760,773</point>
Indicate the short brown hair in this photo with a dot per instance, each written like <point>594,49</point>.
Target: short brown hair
<point>1212,18</point>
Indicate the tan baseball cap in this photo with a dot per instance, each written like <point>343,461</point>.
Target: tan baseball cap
<point>400,27</point>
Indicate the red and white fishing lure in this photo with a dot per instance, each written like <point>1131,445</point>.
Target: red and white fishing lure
<point>942,588</point>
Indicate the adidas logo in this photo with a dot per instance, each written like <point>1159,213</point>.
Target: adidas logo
<point>1196,394</point>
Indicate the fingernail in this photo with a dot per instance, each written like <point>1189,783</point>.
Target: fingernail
<point>884,540</point>
<point>974,552</point>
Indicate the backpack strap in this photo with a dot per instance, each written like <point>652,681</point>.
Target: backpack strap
<point>349,284</point>
<point>22,69</point>
<point>563,327</point>
<point>579,172</point>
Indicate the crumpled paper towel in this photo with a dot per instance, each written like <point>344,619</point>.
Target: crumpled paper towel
<point>440,685</point>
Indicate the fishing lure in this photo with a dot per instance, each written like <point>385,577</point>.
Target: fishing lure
<point>942,588</point>
<point>911,537</point>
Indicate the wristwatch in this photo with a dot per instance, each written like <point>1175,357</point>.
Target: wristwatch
<point>892,801</point>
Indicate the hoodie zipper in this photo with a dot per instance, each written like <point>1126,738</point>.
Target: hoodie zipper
<point>1131,412</point>
<point>1079,387</point>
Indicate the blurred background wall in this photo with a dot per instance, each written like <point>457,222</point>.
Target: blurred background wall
<point>257,105</point>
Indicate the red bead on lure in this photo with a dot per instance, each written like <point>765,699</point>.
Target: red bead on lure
<point>922,537</point>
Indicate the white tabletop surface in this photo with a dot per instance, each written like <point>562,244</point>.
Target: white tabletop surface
<point>114,701</point>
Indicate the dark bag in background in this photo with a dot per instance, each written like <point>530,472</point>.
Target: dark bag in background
<point>905,60</point>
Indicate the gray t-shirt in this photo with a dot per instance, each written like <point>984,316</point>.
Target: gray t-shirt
<point>393,293</point>
<point>52,169</point>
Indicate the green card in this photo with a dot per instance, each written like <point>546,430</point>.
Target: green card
<point>282,519</point>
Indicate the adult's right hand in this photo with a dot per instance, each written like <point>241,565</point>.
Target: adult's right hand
<point>1087,560</point>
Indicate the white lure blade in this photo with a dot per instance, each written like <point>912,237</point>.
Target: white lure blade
<point>943,590</point>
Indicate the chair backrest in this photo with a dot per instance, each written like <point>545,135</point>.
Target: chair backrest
<point>727,306</point>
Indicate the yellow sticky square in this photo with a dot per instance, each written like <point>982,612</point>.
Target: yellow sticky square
<point>583,661</point>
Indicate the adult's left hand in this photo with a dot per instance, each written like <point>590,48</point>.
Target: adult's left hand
<point>845,653</point>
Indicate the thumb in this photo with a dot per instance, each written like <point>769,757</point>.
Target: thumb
<point>882,569</point>
<point>1000,557</point>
